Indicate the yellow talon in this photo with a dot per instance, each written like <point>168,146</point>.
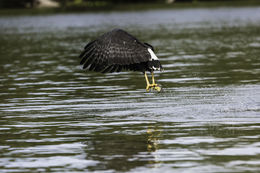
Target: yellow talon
<point>153,87</point>
<point>158,88</point>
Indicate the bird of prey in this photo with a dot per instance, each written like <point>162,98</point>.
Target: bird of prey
<point>118,50</point>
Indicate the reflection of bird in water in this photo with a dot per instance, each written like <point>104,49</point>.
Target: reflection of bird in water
<point>152,145</point>
<point>152,139</point>
<point>117,50</point>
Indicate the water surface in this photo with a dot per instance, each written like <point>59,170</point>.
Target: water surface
<point>55,117</point>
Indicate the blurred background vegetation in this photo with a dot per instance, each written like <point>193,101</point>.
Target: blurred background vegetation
<point>90,5</point>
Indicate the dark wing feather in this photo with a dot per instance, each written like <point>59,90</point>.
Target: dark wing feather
<point>150,46</point>
<point>85,54</point>
<point>114,51</point>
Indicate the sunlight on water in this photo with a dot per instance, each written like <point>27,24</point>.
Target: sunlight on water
<point>55,117</point>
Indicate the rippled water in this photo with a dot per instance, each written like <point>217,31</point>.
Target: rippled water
<point>57,118</point>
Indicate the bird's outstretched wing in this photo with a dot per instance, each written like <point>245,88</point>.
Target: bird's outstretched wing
<point>114,51</point>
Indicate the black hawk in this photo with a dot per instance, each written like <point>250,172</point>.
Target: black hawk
<point>118,50</point>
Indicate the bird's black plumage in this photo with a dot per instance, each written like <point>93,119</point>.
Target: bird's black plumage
<point>115,51</point>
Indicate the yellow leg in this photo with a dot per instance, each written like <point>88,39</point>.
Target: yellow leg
<point>153,85</point>
<point>147,82</point>
<point>153,78</point>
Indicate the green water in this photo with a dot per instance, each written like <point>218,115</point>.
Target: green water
<point>55,117</point>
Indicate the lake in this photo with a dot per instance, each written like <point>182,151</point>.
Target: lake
<point>56,117</point>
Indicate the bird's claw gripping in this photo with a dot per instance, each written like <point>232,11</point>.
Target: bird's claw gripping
<point>152,87</point>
